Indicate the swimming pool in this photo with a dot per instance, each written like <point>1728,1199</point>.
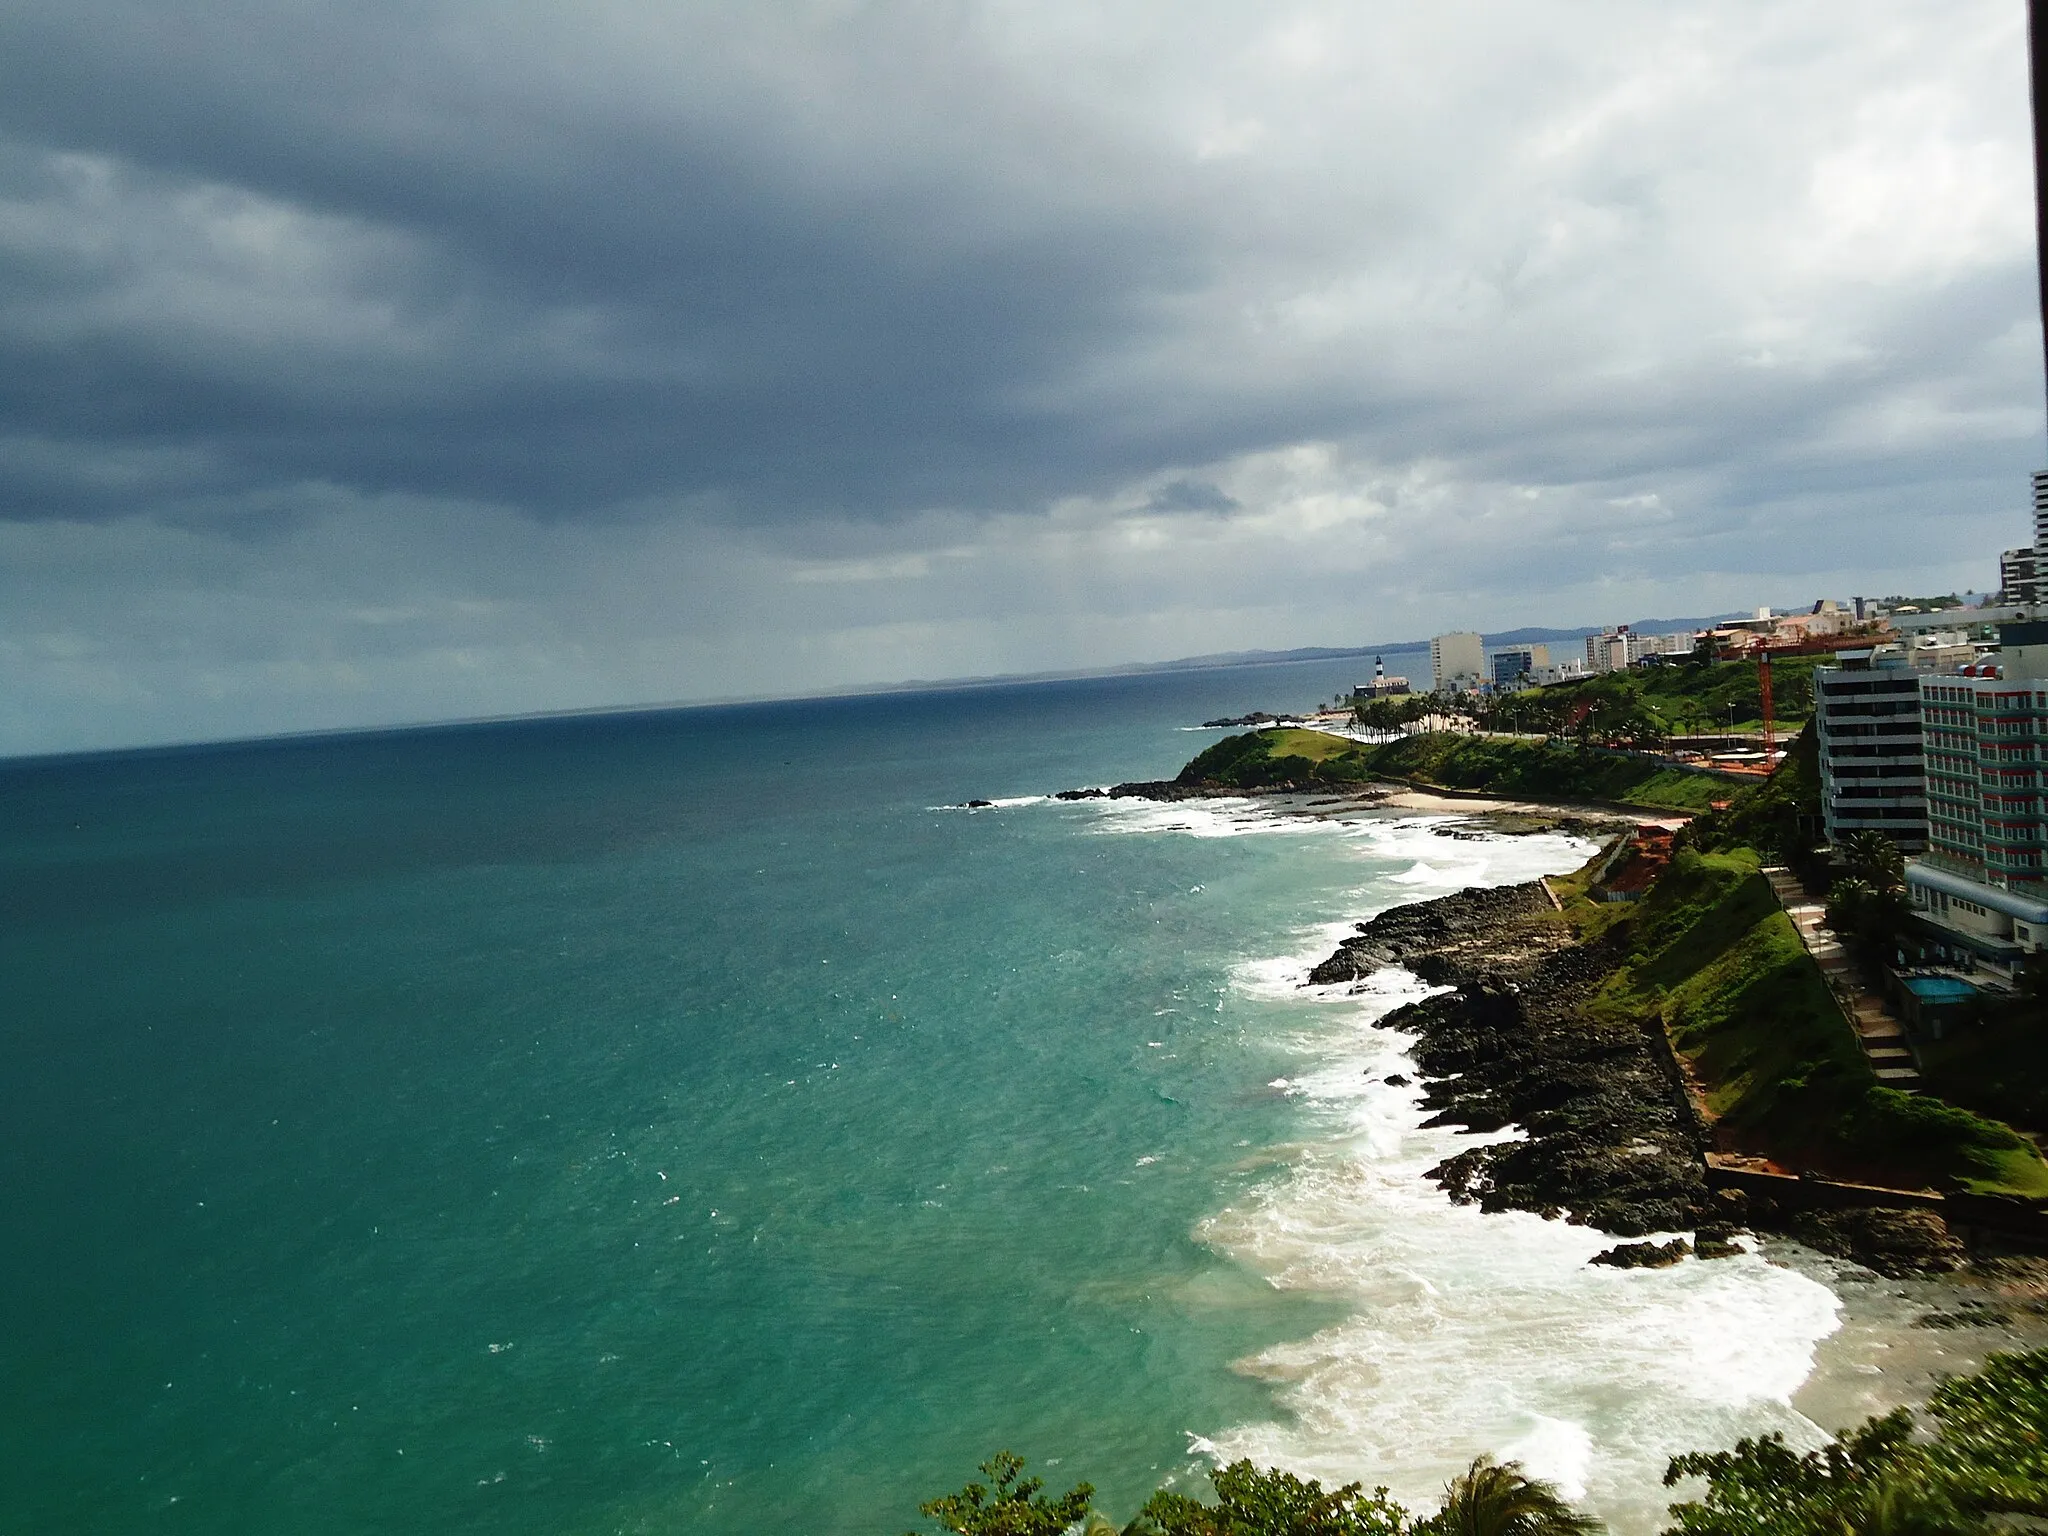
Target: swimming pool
<point>1940,989</point>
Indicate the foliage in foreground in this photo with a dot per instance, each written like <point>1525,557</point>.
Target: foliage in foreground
<point>1987,1459</point>
<point>1487,1499</point>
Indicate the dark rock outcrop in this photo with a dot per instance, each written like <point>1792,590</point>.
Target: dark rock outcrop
<point>1715,1242</point>
<point>1606,1141</point>
<point>1434,935</point>
<point>1899,1244</point>
<point>1644,1255</point>
<point>1512,1044</point>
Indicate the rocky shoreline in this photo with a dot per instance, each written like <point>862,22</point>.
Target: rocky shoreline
<point>1511,1044</point>
<point>1610,1141</point>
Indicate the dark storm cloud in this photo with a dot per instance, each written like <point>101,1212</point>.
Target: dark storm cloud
<point>558,301</point>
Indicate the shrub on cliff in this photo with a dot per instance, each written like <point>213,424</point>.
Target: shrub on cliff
<point>1889,1128</point>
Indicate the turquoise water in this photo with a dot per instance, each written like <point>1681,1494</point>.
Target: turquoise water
<point>1940,988</point>
<point>686,1121</point>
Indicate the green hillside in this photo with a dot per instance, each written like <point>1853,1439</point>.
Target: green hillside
<point>1711,958</point>
<point>1675,699</point>
<point>1308,759</point>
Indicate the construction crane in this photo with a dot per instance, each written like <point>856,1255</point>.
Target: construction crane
<point>1763,682</point>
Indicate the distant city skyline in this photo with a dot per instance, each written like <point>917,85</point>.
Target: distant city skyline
<point>365,367</point>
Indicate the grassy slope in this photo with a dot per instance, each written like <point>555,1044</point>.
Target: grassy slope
<point>1501,766</point>
<point>1704,693</point>
<point>1259,759</point>
<point>1997,1067</point>
<point>1531,768</point>
<point>1709,957</point>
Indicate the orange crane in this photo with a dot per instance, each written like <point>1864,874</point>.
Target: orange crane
<point>1763,680</point>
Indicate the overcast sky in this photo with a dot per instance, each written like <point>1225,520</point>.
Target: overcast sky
<point>398,361</point>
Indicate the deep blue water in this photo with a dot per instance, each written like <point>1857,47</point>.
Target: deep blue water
<point>644,1122</point>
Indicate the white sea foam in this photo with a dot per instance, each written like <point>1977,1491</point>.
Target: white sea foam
<point>1469,1332</point>
<point>1211,817</point>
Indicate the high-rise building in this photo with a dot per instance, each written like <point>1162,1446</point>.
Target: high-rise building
<point>1513,667</point>
<point>1983,876</point>
<point>1612,650</point>
<point>1872,773</point>
<point>2019,577</point>
<point>1457,662</point>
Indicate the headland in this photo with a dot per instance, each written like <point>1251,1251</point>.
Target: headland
<point>1674,1058</point>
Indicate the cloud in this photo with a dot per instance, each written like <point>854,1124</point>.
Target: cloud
<point>631,352</point>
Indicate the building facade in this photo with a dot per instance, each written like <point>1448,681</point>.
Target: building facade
<point>1570,670</point>
<point>1984,876</point>
<point>1872,770</point>
<point>1611,650</point>
<point>1457,662</point>
<point>2019,577</point>
<point>1517,666</point>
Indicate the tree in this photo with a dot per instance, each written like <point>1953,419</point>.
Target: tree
<point>1989,1457</point>
<point>1492,1498</point>
<point>1270,1502</point>
<point>1860,912</point>
<point>1992,1439</point>
<point>1876,859</point>
<point>1011,1508</point>
<point>1872,1482</point>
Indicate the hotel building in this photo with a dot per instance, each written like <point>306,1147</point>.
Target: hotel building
<point>1983,876</point>
<point>1868,709</point>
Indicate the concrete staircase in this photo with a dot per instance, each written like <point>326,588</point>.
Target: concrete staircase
<point>1881,1032</point>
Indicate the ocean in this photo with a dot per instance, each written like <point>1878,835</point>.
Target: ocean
<point>694,1120</point>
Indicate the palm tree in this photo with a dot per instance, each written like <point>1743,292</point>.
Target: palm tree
<point>1876,858</point>
<point>1491,1498</point>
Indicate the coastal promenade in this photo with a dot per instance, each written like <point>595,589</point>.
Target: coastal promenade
<point>1879,1030</point>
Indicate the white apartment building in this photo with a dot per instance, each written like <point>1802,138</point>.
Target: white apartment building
<point>1457,662</point>
<point>1613,649</point>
